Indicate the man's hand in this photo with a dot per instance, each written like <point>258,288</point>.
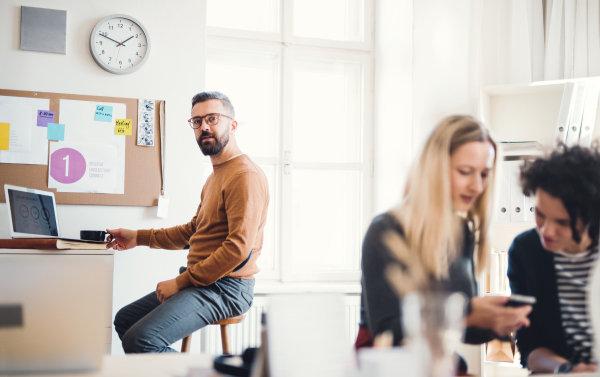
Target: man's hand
<point>489,312</point>
<point>166,289</point>
<point>122,239</point>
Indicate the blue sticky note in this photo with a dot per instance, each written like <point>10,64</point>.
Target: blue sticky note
<point>56,131</point>
<point>103,113</point>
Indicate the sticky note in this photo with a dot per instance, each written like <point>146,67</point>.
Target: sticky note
<point>4,136</point>
<point>56,131</point>
<point>123,127</point>
<point>103,113</point>
<point>44,117</point>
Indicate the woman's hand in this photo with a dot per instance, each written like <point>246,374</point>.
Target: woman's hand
<point>583,367</point>
<point>490,312</point>
<point>122,239</point>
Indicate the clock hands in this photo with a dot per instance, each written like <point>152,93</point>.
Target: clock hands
<point>110,39</point>
<point>119,43</point>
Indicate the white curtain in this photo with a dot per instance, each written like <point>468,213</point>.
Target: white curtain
<point>534,40</point>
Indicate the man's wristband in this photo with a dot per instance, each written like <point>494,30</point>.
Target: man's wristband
<point>565,368</point>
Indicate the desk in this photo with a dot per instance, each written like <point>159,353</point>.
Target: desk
<point>58,284</point>
<point>172,365</point>
<point>149,365</point>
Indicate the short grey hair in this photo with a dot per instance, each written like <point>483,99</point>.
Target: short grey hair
<point>207,96</point>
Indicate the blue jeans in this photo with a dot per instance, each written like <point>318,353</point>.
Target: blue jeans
<point>146,325</point>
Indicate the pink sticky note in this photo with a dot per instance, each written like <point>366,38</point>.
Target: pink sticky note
<point>44,117</point>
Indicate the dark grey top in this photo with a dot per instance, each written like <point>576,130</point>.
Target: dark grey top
<point>380,306</point>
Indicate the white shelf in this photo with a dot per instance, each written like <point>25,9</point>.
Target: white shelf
<point>525,111</point>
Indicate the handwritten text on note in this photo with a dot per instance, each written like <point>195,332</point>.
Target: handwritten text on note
<point>123,127</point>
<point>103,113</point>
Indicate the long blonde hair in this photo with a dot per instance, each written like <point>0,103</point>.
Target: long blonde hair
<point>431,226</point>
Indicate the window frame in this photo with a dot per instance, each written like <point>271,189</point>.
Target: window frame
<point>288,48</point>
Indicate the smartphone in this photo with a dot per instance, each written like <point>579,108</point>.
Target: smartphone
<point>520,300</point>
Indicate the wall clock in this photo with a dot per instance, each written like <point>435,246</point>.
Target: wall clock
<point>120,44</point>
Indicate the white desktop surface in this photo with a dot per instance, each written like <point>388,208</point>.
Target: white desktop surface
<point>172,365</point>
<point>148,365</point>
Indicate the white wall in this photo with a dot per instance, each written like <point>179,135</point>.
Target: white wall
<point>393,102</point>
<point>174,73</point>
<point>425,69</point>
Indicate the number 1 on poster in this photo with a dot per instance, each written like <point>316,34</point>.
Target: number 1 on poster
<point>67,166</point>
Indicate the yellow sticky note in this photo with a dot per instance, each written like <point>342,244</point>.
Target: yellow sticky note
<point>122,126</point>
<point>4,136</point>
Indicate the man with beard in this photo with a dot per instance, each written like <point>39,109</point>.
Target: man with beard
<point>225,238</point>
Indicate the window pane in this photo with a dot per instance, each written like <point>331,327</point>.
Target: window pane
<point>251,81</point>
<point>326,220</point>
<point>267,256</point>
<point>340,20</point>
<point>327,112</point>
<point>255,15</point>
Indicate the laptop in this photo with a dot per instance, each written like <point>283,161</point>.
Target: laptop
<point>32,214</point>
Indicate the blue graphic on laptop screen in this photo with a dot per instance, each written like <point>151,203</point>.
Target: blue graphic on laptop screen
<point>32,213</point>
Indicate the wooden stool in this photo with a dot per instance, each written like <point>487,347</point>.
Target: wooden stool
<point>186,342</point>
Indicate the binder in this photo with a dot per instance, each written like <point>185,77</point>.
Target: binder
<point>529,208</point>
<point>562,125</point>
<point>517,199</point>
<point>495,272</point>
<point>577,108</point>
<point>503,204</point>
<point>589,112</point>
<point>503,272</point>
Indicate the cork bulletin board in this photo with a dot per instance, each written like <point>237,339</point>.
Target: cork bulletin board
<point>142,164</point>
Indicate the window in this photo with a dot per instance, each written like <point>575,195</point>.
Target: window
<point>301,83</point>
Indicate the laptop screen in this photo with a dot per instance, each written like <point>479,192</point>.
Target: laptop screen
<point>32,213</point>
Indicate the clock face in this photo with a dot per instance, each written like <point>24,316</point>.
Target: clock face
<point>119,44</point>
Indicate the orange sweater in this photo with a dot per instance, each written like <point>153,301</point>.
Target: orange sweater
<point>229,224</point>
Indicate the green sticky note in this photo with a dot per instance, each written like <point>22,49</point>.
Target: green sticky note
<point>103,113</point>
<point>4,136</point>
<point>56,131</point>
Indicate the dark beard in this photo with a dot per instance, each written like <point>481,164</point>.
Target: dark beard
<point>215,147</point>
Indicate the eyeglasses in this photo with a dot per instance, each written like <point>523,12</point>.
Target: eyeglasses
<point>210,119</point>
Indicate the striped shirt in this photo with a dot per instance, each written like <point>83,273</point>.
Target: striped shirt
<point>572,272</point>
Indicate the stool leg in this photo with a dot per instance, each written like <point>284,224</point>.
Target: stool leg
<point>224,340</point>
<point>185,343</point>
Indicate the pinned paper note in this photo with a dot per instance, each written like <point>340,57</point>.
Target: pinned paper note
<point>145,129</point>
<point>83,167</point>
<point>26,138</point>
<point>103,113</point>
<point>123,127</point>
<point>44,117</point>
<point>4,136</point>
<point>56,131</point>
<point>22,123</point>
<point>163,206</point>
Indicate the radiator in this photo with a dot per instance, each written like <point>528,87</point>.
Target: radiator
<point>247,333</point>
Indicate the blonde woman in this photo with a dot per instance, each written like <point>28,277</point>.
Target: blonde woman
<point>437,238</point>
